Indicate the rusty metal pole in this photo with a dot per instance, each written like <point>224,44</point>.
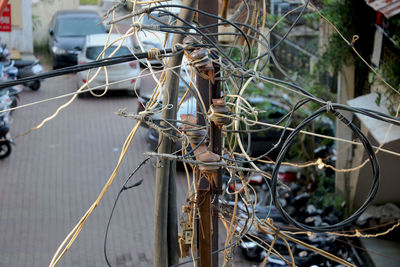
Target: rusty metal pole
<point>208,222</point>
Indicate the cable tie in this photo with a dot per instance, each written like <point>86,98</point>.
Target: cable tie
<point>145,26</point>
<point>131,186</point>
<point>137,25</point>
<point>329,107</point>
<point>153,53</point>
<point>140,11</point>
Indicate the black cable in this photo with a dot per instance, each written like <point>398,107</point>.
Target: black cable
<point>124,187</point>
<point>82,67</point>
<point>194,28</point>
<point>288,118</point>
<point>285,148</point>
<point>296,107</point>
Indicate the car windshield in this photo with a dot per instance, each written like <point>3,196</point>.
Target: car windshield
<point>149,20</point>
<point>94,51</point>
<point>67,27</point>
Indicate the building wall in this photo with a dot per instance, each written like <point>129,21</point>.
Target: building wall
<point>389,183</point>
<point>43,11</point>
<point>20,37</point>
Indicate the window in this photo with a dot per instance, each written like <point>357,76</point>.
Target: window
<point>94,51</point>
<point>69,27</point>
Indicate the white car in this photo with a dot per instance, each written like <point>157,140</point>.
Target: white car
<point>127,72</point>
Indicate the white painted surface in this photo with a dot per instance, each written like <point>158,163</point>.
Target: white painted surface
<point>381,131</point>
<point>21,39</point>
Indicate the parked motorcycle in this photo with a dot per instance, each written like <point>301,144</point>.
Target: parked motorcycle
<point>8,99</point>
<point>17,69</point>
<point>27,68</point>
<point>9,72</point>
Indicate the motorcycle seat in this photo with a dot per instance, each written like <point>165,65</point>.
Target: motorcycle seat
<point>24,63</point>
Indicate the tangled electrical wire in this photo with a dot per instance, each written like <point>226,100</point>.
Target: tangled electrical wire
<point>238,65</point>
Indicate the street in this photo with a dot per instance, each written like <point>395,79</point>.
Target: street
<point>54,174</point>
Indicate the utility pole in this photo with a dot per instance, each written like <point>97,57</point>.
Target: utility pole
<point>165,210</point>
<point>209,189</point>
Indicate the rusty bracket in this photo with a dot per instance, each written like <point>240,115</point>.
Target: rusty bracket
<point>219,107</point>
<point>208,157</point>
<point>202,152</point>
<point>200,59</point>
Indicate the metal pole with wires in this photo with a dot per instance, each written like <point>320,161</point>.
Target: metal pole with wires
<point>209,189</point>
<point>165,210</point>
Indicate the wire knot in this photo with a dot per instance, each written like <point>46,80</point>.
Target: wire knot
<point>329,107</point>
<point>138,26</point>
<point>153,53</point>
<point>354,39</point>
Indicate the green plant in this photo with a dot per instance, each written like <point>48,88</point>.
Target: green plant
<point>390,70</point>
<point>36,22</point>
<point>88,2</point>
<point>324,194</point>
<point>395,25</point>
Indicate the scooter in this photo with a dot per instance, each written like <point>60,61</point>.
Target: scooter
<point>18,69</point>
<point>27,68</point>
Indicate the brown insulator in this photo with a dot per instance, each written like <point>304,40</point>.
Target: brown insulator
<point>219,108</point>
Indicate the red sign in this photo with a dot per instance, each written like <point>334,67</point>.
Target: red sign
<point>5,19</point>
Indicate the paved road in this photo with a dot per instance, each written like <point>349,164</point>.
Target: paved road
<point>54,174</point>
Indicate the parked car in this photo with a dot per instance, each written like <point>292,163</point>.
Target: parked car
<point>129,71</point>
<point>68,29</point>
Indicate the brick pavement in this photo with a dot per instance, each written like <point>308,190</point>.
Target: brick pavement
<point>54,174</point>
